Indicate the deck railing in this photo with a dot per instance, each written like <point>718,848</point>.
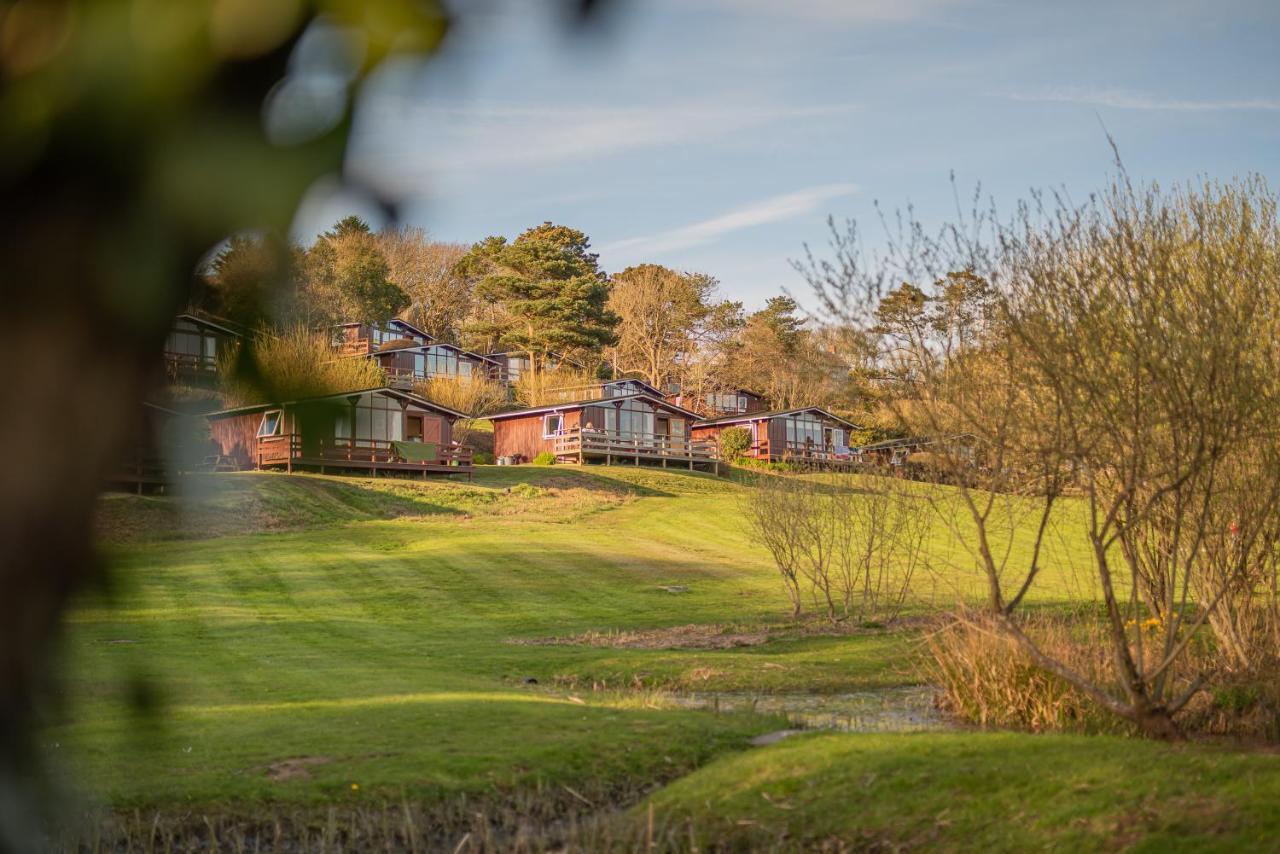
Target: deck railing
<point>579,443</point>
<point>804,452</point>
<point>290,448</point>
<point>189,363</point>
<point>353,347</point>
<point>410,376</point>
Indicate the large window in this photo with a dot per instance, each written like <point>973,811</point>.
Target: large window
<point>380,335</point>
<point>444,362</point>
<point>733,404</point>
<point>189,340</point>
<point>630,419</point>
<point>376,418</point>
<point>552,425</point>
<point>804,430</point>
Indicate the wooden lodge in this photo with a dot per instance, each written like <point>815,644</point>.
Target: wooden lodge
<point>370,430</point>
<point>620,421</point>
<point>365,339</point>
<point>810,434</point>
<point>737,401</point>
<point>408,355</point>
<point>194,345</point>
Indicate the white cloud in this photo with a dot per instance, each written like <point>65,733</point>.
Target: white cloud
<point>1122,99</point>
<point>486,136</point>
<point>773,209</point>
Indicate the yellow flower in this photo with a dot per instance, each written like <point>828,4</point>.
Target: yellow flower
<point>355,787</point>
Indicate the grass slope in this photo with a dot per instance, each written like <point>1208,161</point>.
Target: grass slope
<point>305,640</point>
<point>981,791</point>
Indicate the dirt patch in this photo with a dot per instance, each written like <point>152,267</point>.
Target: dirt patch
<point>697,636</point>
<point>294,769</point>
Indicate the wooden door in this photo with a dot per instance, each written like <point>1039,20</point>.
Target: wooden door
<point>413,428</point>
<point>432,429</point>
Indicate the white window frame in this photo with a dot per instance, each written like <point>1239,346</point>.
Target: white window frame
<point>551,434</point>
<point>279,413</point>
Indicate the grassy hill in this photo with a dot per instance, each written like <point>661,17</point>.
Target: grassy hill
<point>298,644</point>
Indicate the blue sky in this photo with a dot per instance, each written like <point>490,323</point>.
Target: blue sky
<point>718,135</point>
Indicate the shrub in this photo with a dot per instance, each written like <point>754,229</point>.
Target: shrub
<point>546,458</point>
<point>734,443</point>
<point>482,458</point>
<point>476,396</point>
<point>292,365</point>
<point>546,387</point>
<point>988,679</point>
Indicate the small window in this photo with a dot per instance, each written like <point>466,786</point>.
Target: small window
<point>270,424</point>
<point>552,425</point>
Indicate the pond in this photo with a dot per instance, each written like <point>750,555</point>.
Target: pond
<point>904,709</point>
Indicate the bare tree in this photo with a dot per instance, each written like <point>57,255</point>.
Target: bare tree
<point>439,298</point>
<point>851,545</point>
<point>1132,359</point>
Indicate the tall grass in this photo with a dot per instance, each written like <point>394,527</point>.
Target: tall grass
<point>295,364</point>
<point>987,678</point>
<point>475,396</point>
<point>545,387</point>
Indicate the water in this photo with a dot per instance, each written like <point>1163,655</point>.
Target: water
<point>909,709</point>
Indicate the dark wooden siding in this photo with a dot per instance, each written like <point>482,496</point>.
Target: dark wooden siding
<point>236,436</point>
<point>777,437</point>
<point>522,436</point>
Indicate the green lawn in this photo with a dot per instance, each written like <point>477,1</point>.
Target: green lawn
<point>305,640</point>
<point>980,791</point>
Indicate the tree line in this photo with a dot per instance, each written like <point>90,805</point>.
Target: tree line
<point>544,295</point>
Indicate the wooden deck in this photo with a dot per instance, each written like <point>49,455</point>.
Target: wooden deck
<point>360,454</point>
<point>575,445</point>
<point>802,454</point>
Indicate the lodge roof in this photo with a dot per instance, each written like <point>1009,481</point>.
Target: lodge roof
<point>774,413</point>
<point>195,318</point>
<point>406,324</point>
<point>416,399</point>
<point>428,346</point>
<point>595,401</point>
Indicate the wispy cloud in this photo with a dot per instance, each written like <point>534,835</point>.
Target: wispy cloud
<point>1123,99</point>
<point>485,136</point>
<point>773,209</point>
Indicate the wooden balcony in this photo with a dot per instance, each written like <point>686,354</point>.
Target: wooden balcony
<point>189,365</point>
<point>577,445</point>
<point>372,455</point>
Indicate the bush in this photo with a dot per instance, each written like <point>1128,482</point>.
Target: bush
<point>482,458</point>
<point>734,443</point>
<point>546,458</point>
<point>292,365</point>
<point>476,396</point>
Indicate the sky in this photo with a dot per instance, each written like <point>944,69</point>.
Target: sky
<point>719,135</point>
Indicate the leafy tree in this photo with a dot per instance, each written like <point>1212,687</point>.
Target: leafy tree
<point>541,293</point>
<point>348,270</point>
<point>256,280</point>
<point>903,312</point>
